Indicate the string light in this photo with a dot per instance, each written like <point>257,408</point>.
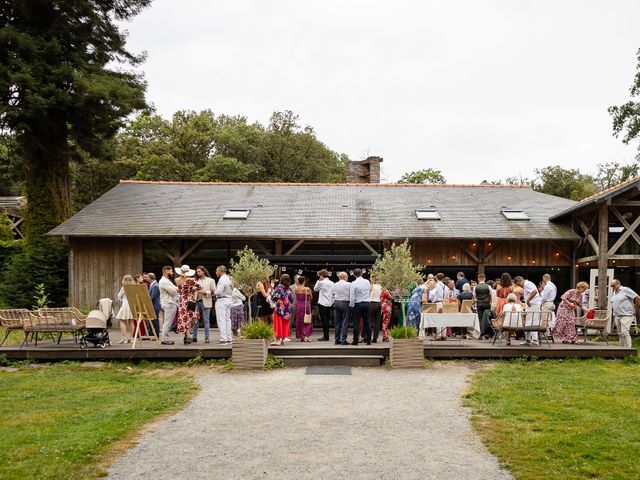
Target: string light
<point>509,258</point>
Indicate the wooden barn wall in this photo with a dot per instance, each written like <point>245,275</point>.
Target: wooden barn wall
<point>507,252</point>
<point>96,268</point>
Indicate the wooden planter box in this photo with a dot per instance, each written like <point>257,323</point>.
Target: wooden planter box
<point>407,353</point>
<point>247,354</point>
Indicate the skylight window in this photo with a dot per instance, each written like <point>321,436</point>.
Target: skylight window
<point>236,214</point>
<point>515,215</point>
<point>430,214</point>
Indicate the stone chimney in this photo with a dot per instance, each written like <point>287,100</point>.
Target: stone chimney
<point>364,171</point>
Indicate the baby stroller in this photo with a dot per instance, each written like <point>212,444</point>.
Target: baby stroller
<point>98,323</point>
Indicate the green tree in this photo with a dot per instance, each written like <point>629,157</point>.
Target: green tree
<point>11,166</point>
<point>164,168</point>
<point>64,85</point>
<point>612,173</point>
<point>396,272</point>
<point>563,182</point>
<point>223,169</point>
<point>6,228</point>
<point>247,271</point>
<point>626,117</point>
<point>427,175</point>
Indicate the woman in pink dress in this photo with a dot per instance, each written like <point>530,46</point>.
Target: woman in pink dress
<point>187,287</point>
<point>565,328</point>
<point>303,307</point>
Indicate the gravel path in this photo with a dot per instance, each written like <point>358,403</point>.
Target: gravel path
<point>285,424</point>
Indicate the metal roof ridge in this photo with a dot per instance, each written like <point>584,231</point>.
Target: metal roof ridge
<point>309,184</point>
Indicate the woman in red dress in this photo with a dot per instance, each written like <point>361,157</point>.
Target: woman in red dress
<point>282,296</point>
<point>187,287</point>
<point>386,307</point>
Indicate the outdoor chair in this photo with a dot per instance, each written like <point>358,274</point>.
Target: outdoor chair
<point>505,323</point>
<point>536,322</point>
<point>450,307</point>
<point>467,306</point>
<point>51,321</point>
<point>12,319</point>
<point>599,322</point>
<point>429,308</point>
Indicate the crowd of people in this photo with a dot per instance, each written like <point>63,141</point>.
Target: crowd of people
<point>184,296</point>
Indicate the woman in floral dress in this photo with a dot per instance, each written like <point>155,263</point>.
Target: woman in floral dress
<point>187,287</point>
<point>387,307</point>
<point>283,298</point>
<point>565,328</point>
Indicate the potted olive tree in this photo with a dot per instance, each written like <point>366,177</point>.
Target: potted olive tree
<point>250,350</point>
<point>396,272</point>
<point>247,271</point>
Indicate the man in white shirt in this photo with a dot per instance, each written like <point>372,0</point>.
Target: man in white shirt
<point>224,291</point>
<point>204,302</point>
<point>168,297</point>
<point>376,308</point>
<point>451,292</point>
<point>359,301</point>
<point>534,302</point>
<point>341,291</point>
<point>548,297</point>
<point>623,306</point>
<point>325,301</point>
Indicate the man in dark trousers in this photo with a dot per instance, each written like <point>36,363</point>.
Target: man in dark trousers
<point>360,302</point>
<point>483,303</point>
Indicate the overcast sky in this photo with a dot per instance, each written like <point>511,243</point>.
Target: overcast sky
<point>478,89</point>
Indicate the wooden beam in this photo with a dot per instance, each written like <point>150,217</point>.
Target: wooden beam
<point>469,252</point>
<point>191,250</point>
<point>278,246</point>
<point>627,203</point>
<point>562,253</point>
<point>603,253</point>
<point>481,269</point>
<point>592,258</point>
<point>295,247</point>
<point>588,236</point>
<point>493,250</point>
<point>625,224</point>
<point>624,236</point>
<point>261,247</point>
<point>370,248</point>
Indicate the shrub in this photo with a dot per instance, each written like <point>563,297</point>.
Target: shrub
<point>256,330</point>
<point>403,332</point>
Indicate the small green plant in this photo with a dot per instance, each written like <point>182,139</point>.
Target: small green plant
<point>401,331</point>
<point>256,330</point>
<point>197,360</point>
<point>273,362</point>
<point>41,297</point>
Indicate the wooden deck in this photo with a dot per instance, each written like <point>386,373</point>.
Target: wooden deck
<point>296,353</point>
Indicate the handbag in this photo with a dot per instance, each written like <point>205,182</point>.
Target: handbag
<point>191,304</point>
<point>307,316</point>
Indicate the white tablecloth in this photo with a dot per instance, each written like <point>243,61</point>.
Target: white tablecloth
<point>444,320</point>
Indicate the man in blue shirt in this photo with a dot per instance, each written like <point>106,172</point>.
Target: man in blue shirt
<point>360,303</point>
<point>460,281</point>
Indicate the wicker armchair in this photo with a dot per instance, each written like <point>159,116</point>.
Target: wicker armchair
<point>12,319</point>
<point>66,315</point>
<point>599,322</point>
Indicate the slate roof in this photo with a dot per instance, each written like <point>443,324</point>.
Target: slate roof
<point>599,197</point>
<point>324,211</point>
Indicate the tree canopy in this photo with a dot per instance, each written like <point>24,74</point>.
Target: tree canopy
<point>427,175</point>
<point>64,86</point>
<point>626,117</point>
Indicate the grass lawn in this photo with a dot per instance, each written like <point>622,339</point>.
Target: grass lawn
<point>64,421</point>
<point>571,419</point>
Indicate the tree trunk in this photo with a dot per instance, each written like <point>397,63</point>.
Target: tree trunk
<point>47,179</point>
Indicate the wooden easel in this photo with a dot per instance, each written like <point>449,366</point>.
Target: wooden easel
<point>142,310</point>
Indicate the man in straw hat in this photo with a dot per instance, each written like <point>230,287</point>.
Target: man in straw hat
<point>325,301</point>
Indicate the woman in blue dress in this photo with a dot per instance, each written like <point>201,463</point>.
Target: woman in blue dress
<point>414,309</point>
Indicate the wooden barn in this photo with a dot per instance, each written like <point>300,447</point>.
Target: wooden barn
<point>141,226</point>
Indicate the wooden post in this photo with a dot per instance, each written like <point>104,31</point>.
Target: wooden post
<point>481,259</point>
<point>603,255</point>
<point>278,247</point>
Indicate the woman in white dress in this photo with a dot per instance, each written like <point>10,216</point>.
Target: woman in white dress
<point>124,315</point>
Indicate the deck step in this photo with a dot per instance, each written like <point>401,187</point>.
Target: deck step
<point>333,360</point>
